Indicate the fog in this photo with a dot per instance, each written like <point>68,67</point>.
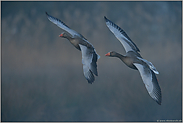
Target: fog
<point>42,77</point>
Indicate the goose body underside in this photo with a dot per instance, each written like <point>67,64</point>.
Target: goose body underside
<point>129,63</point>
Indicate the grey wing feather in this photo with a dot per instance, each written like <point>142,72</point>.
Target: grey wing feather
<point>89,59</point>
<point>88,74</point>
<point>151,66</point>
<point>150,81</point>
<point>93,65</point>
<point>63,26</point>
<point>127,43</point>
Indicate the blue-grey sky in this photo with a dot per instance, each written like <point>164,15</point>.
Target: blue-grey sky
<point>42,77</point>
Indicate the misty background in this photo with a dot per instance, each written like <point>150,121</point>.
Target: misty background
<point>42,74</point>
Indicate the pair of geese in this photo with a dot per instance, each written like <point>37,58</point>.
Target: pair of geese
<point>132,58</point>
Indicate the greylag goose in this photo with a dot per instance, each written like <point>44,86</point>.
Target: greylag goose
<point>134,60</point>
<point>89,55</point>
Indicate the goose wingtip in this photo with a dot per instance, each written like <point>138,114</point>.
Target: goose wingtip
<point>90,83</point>
<point>47,14</point>
<point>105,18</point>
<point>159,102</point>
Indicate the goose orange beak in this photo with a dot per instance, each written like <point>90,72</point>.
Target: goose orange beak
<point>60,35</point>
<point>108,54</point>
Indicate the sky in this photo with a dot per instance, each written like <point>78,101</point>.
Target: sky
<point>42,75</point>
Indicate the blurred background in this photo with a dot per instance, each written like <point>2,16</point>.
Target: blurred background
<point>42,74</point>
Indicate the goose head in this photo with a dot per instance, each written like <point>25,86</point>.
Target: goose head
<point>111,54</point>
<point>63,35</point>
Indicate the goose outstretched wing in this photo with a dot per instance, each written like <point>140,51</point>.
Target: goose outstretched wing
<point>63,26</point>
<point>89,59</point>
<point>150,81</point>
<point>121,36</point>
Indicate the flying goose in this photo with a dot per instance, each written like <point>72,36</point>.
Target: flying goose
<point>89,55</point>
<point>134,60</point>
